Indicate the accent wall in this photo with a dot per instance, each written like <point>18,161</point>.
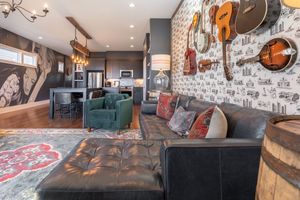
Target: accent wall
<point>21,85</point>
<point>252,86</point>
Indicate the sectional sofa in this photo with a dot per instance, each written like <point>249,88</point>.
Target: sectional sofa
<point>164,165</point>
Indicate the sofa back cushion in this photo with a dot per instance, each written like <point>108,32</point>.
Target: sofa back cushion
<point>245,122</point>
<point>199,106</point>
<point>111,99</point>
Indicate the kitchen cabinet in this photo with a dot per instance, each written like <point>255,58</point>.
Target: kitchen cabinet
<point>137,95</point>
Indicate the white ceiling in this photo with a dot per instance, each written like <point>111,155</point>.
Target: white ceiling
<point>107,21</point>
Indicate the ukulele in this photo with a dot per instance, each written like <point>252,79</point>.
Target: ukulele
<point>257,15</point>
<point>225,19</point>
<point>277,55</point>
<point>291,3</point>
<point>202,43</point>
<point>190,63</point>
<point>212,16</point>
<point>206,64</point>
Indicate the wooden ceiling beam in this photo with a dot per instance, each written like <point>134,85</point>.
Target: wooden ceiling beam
<point>79,28</point>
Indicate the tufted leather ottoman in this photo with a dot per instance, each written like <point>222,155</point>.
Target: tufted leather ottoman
<point>106,169</point>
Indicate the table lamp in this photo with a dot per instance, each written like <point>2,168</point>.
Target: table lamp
<point>161,63</point>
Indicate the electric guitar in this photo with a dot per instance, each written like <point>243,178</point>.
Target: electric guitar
<point>257,15</point>
<point>225,19</point>
<point>291,3</point>
<point>277,55</point>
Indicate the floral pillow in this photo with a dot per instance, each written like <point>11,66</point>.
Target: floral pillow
<point>181,121</point>
<point>212,123</point>
<point>166,106</point>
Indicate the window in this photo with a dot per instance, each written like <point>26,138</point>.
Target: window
<point>15,56</point>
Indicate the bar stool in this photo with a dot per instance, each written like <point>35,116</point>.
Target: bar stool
<point>65,104</point>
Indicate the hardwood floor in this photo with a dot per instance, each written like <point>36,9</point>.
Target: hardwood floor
<point>38,118</point>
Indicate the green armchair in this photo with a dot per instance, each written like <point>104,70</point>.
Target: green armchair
<point>114,111</point>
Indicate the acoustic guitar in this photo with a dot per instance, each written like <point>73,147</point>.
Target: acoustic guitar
<point>212,18</point>
<point>277,55</point>
<point>202,40</point>
<point>291,3</point>
<point>206,64</point>
<point>225,19</point>
<point>257,15</point>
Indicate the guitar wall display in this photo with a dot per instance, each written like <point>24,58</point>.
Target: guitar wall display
<point>253,85</point>
<point>257,15</point>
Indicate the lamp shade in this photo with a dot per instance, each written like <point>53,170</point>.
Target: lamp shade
<point>161,62</point>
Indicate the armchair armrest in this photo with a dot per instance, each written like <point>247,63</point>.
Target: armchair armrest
<point>93,104</point>
<point>124,112</point>
<point>210,168</point>
<point>149,107</point>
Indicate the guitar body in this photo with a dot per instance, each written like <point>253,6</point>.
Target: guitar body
<point>203,42</point>
<point>272,58</point>
<point>257,15</point>
<point>225,19</point>
<point>291,3</point>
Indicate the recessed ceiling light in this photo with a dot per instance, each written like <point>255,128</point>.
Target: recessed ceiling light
<point>107,46</point>
<point>131,46</point>
<point>132,38</point>
<point>131,5</point>
<point>131,26</point>
<point>40,37</point>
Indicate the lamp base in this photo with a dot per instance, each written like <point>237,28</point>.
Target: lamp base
<point>161,81</point>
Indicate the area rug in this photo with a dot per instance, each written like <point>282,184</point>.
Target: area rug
<point>28,155</point>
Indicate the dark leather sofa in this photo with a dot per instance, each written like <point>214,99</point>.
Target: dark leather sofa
<point>164,165</point>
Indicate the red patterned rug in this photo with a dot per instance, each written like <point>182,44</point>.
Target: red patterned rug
<point>26,158</point>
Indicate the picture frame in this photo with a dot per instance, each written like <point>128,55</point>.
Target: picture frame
<point>79,68</point>
<point>61,67</point>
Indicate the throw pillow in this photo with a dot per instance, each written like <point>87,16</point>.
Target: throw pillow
<point>212,123</point>
<point>166,106</point>
<point>181,121</point>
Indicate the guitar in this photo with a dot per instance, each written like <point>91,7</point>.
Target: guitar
<point>225,19</point>
<point>257,15</point>
<point>291,3</point>
<point>206,64</point>
<point>277,55</point>
<point>190,63</point>
<point>202,40</point>
<point>212,16</point>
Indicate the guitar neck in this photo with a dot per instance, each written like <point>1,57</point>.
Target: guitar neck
<point>227,70</point>
<point>249,60</point>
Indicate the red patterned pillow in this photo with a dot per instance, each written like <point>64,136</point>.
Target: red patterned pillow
<point>166,106</point>
<point>212,123</point>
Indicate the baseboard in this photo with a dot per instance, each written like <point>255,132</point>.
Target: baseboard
<point>23,106</point>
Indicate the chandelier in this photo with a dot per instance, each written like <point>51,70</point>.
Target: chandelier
<point>12,6</point>
<point>80,53</point>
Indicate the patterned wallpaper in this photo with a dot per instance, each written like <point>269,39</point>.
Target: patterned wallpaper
<point>252,86</point>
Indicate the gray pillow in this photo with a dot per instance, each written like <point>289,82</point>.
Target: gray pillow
<point>181,121</point>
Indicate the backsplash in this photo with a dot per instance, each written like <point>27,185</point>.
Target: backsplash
<point>252,86</point>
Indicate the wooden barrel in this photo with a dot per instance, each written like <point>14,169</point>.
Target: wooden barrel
<point>279,170</point>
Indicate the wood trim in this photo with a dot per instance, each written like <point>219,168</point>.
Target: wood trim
<point>281,136</point>
<point>289,173</point>
<point>175,12</point>
<point>79,28</point>
<point>23,106</point>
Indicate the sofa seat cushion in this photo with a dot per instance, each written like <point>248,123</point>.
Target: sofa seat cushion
<point>155,128</point>
<point>106,169</point>
<point>103,114</point>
